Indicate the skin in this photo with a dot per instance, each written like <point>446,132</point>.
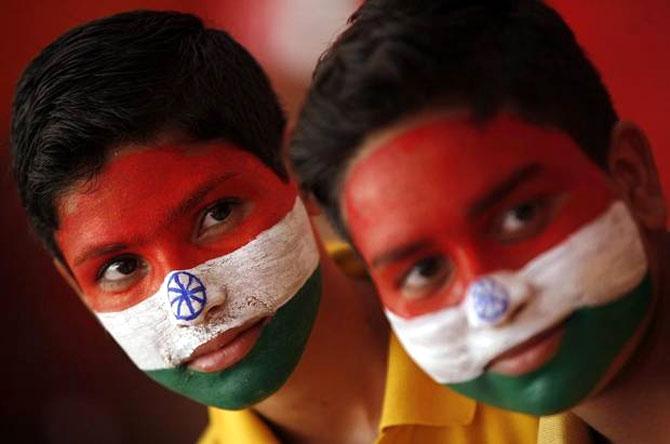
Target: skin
<point>118,245</point>
<point>493,199</point>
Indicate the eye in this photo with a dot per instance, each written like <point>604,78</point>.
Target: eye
<point>425,275</point>
<point>219,216</point>
<point>523,221</point>
<point>121,272</point>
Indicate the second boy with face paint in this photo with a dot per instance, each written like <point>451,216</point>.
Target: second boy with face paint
<point>514,229</point>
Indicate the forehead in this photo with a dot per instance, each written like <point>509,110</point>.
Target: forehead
<point>137,185</point>
<point>442,163</point>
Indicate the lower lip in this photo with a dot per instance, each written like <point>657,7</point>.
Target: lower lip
<point>530,355</point>
<point>230,353</point>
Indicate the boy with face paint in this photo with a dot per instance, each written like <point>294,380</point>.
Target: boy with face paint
<point>146,149</point>
<point>514,228</point>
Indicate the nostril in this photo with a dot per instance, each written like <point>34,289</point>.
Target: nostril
<point>516,310</point>
<point>213,312</point>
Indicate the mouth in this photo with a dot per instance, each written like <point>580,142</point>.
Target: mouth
<point>531,354</point>
<point>227,349</point>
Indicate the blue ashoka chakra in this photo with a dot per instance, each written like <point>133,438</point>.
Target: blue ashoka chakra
<point>489,300</point>
<point>187,295</point>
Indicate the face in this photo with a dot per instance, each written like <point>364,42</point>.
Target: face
<point>507,265</point>
<point>201,263</point>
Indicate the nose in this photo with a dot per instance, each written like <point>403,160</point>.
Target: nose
<point>491,300</point>
<point>188,298</point>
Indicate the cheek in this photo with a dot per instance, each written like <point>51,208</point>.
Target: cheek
<point>386,289</point>
<point>265,210</point>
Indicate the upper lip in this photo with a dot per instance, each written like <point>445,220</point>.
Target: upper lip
<point>533,339</point>
<point>222,340</point>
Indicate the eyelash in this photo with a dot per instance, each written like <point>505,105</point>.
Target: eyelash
<point>543,204</point>
<point>399,281</point>
<point>440,272</point>
<point>140,268</point>
<point>234,215</point>
<point>103,269</point>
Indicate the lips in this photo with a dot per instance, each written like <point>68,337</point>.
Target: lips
<point>531,354</point>
<point>226,349</point>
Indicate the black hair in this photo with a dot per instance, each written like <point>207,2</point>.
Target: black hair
<point>130,78</point>
<point>401,57</point>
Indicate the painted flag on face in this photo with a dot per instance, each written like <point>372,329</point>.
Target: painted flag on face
<point>273,280</point>
<point>594,282</point>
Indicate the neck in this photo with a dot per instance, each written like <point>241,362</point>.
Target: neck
<point>335,394</point>
<point>636,404</point>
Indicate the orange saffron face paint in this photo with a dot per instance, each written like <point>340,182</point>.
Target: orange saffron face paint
<point>449,189</point>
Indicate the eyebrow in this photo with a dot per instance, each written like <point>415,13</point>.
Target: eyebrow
<point>504,188</point>
<point>397,254</point>
<point>197,197</point>
<point>491,198</point>
<point>99,250</point>
<point>186,205</point>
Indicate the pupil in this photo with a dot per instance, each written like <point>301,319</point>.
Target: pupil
<point>127,266</point>
<point>428,267</point>
<point>221,211</point>
<point>524,212</point>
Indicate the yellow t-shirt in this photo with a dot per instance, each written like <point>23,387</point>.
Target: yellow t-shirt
<point>236,427</point>
<point>416,409</point>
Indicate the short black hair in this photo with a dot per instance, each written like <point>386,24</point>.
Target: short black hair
<point>129,78</point>
<point>401,57</point>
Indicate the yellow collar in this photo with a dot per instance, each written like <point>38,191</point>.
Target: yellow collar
<point>236,426</point>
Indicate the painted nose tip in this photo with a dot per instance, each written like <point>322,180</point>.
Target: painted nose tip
<point>187,298</point>
<point>487,303</point>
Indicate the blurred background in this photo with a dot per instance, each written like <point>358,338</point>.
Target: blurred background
<point>62,379</point>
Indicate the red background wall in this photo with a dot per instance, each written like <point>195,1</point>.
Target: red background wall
<point>62,378</point>
<point>629,41</point>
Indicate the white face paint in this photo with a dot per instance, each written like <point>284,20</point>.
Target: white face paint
<point>595,265</point>
<point>248,284</point>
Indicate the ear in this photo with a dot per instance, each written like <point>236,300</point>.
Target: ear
<point>65,272</point>
<point>632,167</point>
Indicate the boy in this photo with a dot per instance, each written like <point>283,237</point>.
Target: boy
<point>147,154</point>
<point>513,227</point>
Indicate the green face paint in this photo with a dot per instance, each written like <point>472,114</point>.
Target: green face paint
<point>594,337</point>
<point>267,366</point>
